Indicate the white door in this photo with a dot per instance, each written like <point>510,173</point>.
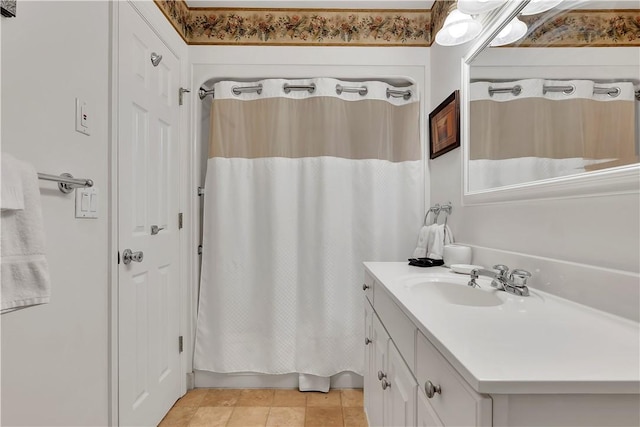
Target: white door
<point>148,172</point>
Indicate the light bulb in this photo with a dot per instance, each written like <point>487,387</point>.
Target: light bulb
<point>512,32</point>
<point>458,28</point>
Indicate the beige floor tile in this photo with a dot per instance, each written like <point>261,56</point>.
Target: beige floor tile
<point>289,398</point>
<point>178,416</point>
<point>248,417</point>
<point>192,398</point>
<point>286,417</point>
<point>211,416</point>
<point>256,397</point>
<point>354,417</point>
<point>221,397</point>
<point>352,398</point>
<point>324,399</point>
<point>324,416</point>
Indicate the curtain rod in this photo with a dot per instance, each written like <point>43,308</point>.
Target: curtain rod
<point>567,90</point>
<point>361,90</point>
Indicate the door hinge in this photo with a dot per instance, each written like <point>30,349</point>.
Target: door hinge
<point>181,93</point>
<point>180,344</point>
<point>199,249</point>
<point>200,191</point>
<point>179,220</point>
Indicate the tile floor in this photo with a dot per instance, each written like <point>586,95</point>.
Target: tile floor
<point>267,407</point>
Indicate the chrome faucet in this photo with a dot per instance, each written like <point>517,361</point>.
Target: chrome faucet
<point>513,283</point>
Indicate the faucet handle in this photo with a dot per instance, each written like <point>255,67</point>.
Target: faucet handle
<point>503,270</point>
<point>519,277</point>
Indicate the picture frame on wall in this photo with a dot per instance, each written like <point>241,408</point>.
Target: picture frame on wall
<point>444,126</point>
<point>8,8</point>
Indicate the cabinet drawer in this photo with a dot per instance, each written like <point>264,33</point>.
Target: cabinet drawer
<point>457,404</point>
<point>400,328</point>
<point>367,286</point>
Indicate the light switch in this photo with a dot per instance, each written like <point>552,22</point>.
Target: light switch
<point>87,202</point>
<point>84,206</point>
<point>82,117</point>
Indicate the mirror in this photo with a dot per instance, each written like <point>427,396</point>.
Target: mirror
<point>553,120</point>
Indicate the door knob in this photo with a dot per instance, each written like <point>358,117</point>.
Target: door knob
<point>155,229</point>
<point>128,255</point>
<point>385,384</point>
<point>365,286</point>
<point>367,341</point>
<point>381,375</point>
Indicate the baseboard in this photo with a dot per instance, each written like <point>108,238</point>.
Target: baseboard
<point>205,379</point>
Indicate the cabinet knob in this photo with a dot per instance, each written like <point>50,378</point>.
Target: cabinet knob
<point>385,384</point>
<point>431,389</point>
<point>367,341</point>
<point>365,287</point>
<point>381,375</point>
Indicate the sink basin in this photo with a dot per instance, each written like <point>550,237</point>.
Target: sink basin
<point>452,291</point>
<point>465,295</point>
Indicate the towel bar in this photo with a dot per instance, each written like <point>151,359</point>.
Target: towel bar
<point>66,181</point>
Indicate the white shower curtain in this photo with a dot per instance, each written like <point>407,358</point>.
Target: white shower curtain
<point>548,129</point>
<point>301,188</point>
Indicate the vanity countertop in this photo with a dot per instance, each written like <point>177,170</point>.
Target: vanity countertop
<point>525,345</point>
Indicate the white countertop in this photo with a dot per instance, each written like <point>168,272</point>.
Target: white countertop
<point>535,344</point>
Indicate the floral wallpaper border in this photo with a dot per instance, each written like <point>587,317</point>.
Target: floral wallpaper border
<point>342,27</point>
<point>285,27</point>
<point>584,28</point>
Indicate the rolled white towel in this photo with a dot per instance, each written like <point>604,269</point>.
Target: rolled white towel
<point>441,236</point>
<point>423,240</point>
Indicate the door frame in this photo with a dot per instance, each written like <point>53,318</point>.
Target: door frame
<point>159,24</point>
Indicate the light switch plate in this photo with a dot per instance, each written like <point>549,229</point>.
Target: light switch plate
<point>82,117</point>
<point>88,209</point>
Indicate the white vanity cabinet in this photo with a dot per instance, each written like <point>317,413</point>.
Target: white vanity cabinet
<point>448,365</point>
<point>397,359</point>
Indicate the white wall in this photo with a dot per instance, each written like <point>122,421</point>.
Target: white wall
<point>55,357</point>
<point>600,231</point>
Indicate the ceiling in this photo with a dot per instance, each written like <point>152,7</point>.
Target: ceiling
<point>384,4</point>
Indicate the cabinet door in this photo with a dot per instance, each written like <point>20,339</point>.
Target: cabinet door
<point>379,344</point>
<point>426,415</point>
<point>368,352</point>
<point>400,395</point>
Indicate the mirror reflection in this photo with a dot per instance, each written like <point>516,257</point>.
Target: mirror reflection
<point>543,113</point>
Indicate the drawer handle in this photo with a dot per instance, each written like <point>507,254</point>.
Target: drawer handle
<point>381,375</point>
<point>431,389</point>
<point>385,384</point>
<point>365,287</point>
<point>367,341</point>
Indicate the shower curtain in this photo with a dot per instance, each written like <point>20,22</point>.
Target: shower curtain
<point>306,179</point>
<point>549,128</point>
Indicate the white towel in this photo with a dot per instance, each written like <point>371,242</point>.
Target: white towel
<point>441,236</point>
<point>23,267</point>
<point>423,239</point>
<point>11,195</point>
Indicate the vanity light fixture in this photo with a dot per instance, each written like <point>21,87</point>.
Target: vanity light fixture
<point>477,7</point>
<point>538,6</point>
<point>458,28</point>
<point>512,32</point>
